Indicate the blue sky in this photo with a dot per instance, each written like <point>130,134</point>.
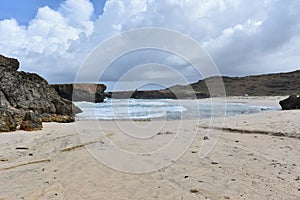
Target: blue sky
<point>242,37</point>
<point>25,10</point>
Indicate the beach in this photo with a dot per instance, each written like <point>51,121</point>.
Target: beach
<point>250,156</point>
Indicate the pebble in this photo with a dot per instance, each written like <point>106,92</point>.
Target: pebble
<point>194,191</point>
<point>205,138</point>
<point>21,148</point>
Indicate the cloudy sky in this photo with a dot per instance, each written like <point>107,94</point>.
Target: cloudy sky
<point>54,37</point>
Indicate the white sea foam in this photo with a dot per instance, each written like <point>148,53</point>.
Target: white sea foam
<point>136,109</point>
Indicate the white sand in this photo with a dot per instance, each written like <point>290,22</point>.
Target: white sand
<point>257,156</point>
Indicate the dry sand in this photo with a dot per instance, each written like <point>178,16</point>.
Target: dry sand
<point>256,156</point>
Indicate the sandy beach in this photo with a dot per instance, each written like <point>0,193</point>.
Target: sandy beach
<point>253,156</point>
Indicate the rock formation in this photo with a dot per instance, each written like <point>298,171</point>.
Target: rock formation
<point>279,84</point>
<point>157,94</point>
<point>26,99</point>
<point>81,92</point>
<point>292,102</point>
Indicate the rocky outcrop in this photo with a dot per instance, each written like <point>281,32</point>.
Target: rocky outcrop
<point>81,92</point>
<point>292,102</point>
<point>26,97</point>
<point>157,94</point>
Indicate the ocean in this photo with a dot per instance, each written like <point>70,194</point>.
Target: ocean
<point>152,109</point>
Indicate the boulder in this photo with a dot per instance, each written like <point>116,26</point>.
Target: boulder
<point>31,122</point>
<point>26,97</point>
<point>292,102</point>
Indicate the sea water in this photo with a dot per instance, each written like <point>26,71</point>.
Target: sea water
<point>142,109</point>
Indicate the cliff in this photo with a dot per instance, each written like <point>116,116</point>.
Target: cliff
<point>157,94</point>
<point>279,84</point>
<point>81,92</point>
<point>26,99</point>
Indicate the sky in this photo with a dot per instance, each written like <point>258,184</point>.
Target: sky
<point>55,37</point>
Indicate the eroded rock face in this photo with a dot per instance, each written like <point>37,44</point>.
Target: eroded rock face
<point>31,122</point>
<point>8,64</point>
<point>81,92</point>
<point>26,97</point>
<point>7,122</point>
<point>292,102</point>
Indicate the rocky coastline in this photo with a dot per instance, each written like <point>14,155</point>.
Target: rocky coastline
<point>279,84</point>
<point>27,100</point>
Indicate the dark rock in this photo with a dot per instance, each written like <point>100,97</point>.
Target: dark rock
<point>194,191</point>
<point>8,64</point>
<point>31,122</point>
<point>158,94</point>
<point>7,123</point>
<point>22,148</point>
<point>81,92</point>
<point>26,97</point>
<point>292,102</point>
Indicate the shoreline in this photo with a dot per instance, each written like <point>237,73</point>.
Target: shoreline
<point>192,109</point>
<point>246,162</point>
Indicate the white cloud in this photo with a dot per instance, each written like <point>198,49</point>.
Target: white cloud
<point>241,36</point>
<point>44,45</point>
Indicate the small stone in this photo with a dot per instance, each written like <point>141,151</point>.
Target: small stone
<point>21,148</point>
<point>186,176</point>
<point>194,191</point>
<point>214,163</point>
<point>30,154</point>
<point>205,138</point>
<point>226,197</point>
<point>236,141</point>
